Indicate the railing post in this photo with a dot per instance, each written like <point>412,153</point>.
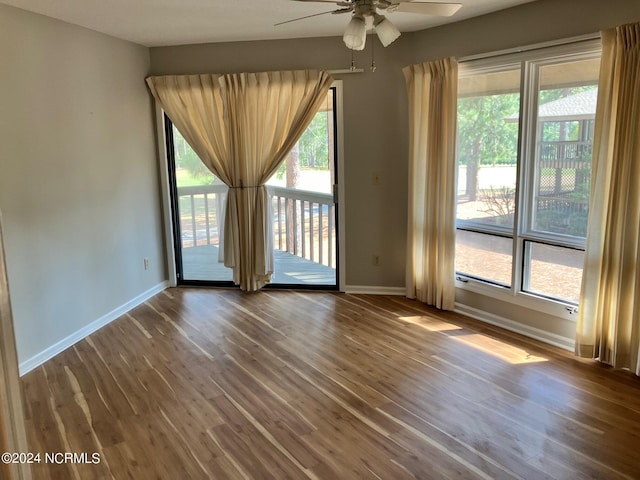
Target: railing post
<point>294,235</point>
<point>277,197</point>
<point>206,216</point>
<point>303,230</point>
<point>331,235</point>
<point>320,233</point>
<point>288,206</point>
<point>193,220</point>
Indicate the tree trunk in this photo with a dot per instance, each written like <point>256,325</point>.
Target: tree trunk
<point>472,179</point>
<point>473,167</point>
<point>292,169</point>
<point>292,166</point>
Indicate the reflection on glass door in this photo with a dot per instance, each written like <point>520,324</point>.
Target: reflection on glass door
<point>304,212</point>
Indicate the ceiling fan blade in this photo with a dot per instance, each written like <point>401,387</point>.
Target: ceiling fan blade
<point>308,16</point>
<point>426,8</point>
<point>324,1</point>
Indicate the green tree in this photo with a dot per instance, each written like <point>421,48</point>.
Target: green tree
<point>187,159</point>
<point>313,143</point>
<point>311,151</point>
<point>484,135</point>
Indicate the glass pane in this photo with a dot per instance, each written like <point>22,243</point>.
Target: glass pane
<point>484,256</point>
<point>488,113</point>
<point>310,164</point>
<point>303,209</point>
<point>554,272</point>
<point>562,166</point>
<point>304,215</point>
<point>201,203</point>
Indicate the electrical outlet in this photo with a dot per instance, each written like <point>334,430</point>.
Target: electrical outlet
<point>146,264</point>
<point>375,260</point>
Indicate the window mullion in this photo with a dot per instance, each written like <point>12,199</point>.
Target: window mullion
<point>526,178</point>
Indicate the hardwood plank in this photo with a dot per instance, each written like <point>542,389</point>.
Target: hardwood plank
<point>204,383</point>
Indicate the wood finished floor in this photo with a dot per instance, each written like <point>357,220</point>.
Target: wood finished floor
<point>216,384</point>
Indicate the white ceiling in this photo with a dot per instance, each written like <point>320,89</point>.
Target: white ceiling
<point>176,22</point>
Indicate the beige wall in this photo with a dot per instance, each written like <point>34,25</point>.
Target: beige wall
<point>536,22</point>
<point>78,183</point>
<point>375,109</point>
<point>375,114</point>
<point>78,177</point>
<point>375,135</point>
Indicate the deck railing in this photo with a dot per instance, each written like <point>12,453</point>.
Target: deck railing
<point>566,155</point>
<point>303,221</point>
<point>304,224</point>
<point>201,210</point>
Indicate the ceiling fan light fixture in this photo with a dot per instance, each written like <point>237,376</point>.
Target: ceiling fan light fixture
<point>387,31</point>
<point>355,36</point>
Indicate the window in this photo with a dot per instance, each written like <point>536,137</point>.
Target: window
<point>525,133</point>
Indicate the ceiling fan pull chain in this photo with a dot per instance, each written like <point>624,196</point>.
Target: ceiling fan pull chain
<point>373,58</point>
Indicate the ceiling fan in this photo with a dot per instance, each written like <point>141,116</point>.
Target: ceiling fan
<point>364,15</point>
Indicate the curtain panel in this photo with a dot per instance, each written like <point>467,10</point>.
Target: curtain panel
<point>242,126</point>
<point>432,90</point>
<point>608,327</point>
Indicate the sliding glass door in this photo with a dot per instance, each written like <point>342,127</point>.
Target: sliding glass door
<point>303,209</point>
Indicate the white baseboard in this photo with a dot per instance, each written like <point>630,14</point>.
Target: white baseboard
<point>369,290</point>
<point>50,352</point>
<point>526,330</point>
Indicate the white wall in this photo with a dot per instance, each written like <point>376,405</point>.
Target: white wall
<point>79,189</point>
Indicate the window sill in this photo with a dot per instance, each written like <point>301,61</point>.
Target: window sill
<point>556,308</point>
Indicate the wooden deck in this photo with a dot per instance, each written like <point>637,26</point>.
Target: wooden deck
<point>206,384</point>
<point>201,263</point>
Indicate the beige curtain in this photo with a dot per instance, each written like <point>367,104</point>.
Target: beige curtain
<point>609,317</point>
<point>432,89</point>
<point>242,126</point>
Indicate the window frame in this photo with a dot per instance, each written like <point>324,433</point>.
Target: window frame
<point>529,61</point>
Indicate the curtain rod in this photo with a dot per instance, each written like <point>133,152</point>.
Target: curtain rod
<point>340,71</point>
<point>528,48</point>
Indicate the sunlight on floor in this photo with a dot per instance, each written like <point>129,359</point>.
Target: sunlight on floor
<point>496,348</point>
<point>431,324</point>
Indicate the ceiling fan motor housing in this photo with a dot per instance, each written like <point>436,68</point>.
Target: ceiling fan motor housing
<point>365,16</point>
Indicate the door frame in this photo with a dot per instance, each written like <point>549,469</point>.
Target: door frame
<point>169,212</point>
<point>13,437</point>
